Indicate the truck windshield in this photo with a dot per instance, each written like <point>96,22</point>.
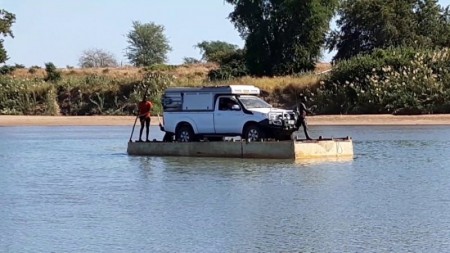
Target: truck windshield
<point>253,102</point>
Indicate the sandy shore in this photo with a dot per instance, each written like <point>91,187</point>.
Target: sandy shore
<point>357,120</point>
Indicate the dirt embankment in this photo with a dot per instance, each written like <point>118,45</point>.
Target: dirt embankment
<point>327,120</point>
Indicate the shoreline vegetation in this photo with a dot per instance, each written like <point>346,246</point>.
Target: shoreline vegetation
<point>322,120</point>
<point>396,81</point>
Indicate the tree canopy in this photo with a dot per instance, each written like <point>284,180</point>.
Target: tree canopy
<point>365,25</point>
<point>97,58</point>
<point>282,36</point>
<point>215,51</point>
<point>7,19</point>
<point>147,44</point>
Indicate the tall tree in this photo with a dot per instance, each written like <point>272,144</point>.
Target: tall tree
<point>215,51</point>
<point>365,25</point>
<point>6,21</point>
<point>282,36</point>
<point>147,44</point>
<point>97,58</point>
<point>433,23</point>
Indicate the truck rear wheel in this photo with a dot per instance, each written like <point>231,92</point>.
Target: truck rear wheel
<point>185,133</point>
<point>253,132</point>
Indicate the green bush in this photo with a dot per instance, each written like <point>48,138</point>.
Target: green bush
<point>27,97</point>
<point>6,70</point>
<point>160,67</point>
<point>53,75</point>
<point>399,81</point>
<point>231,66</point>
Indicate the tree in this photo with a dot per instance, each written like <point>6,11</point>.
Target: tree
<point>6,21</point>
<point>147,44</point>
<point>215,51</point>
<point>231,66</point>
<point>97,58</point>
<point>282,37</point>
<point>433,23</point>
<point>365,25</point>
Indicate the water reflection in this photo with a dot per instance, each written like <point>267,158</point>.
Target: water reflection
<point>228,167</point>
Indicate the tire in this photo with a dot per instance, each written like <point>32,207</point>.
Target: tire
<point>252,133</point>
<point>185,133</point>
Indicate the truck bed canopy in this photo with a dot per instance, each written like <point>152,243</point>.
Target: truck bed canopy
<point>228,89</point>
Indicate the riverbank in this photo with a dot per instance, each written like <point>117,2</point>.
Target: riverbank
<point>328,120</point>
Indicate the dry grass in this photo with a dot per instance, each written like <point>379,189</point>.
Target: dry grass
<point>270,83</point>
<point>110,72</point>
<point>186,75</point>
<point>179,71</point>
<point>322,67</point>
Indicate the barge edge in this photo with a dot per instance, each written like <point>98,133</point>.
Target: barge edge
<point>303,149</point>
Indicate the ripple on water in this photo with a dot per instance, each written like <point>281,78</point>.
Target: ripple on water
<point>69,189</point>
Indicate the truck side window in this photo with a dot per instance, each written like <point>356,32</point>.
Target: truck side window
<point>222,104</point>
<point>226,104</point>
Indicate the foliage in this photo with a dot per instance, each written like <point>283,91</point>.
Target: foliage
<point>6,69</point>
<point>364,26</point>
<point>160,67</point>
<point>28,97</point>
<point>53,75</point>
<point>155,83</point>
<point>97,58</point>
<point>215,51</point>
<point>399,81</point>
<point>33,69</point>
<point>7,19</point>
<point>231,66</point>
<point>147,44</point>
<point>282,37</point>
<point>190,60</point>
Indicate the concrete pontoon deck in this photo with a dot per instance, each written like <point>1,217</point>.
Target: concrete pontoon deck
<point>294,149</point>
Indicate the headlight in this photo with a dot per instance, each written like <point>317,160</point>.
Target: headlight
<point>273,116</point>
<point>275,119</point>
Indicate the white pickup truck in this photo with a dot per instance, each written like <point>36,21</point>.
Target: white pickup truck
<point>191,114</point>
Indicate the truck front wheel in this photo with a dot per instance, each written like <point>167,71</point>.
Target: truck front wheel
<point>252,132</point>
<point>185,133</point>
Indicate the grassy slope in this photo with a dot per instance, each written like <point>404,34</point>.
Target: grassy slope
<point>186,75</point>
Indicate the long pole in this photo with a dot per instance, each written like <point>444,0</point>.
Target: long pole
<point>137,116</point>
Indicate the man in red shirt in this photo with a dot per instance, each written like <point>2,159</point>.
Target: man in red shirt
<point>144,116</point>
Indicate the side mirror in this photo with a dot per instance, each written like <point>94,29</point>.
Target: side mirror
<point>236,108</point>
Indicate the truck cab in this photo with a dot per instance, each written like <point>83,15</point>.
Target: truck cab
<point>191,114</point>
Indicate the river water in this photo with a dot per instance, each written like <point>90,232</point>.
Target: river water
<point>74,189</point>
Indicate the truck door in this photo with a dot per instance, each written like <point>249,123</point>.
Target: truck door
<point>228,116</point>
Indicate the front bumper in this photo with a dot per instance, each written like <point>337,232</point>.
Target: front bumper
<point>281,129</point>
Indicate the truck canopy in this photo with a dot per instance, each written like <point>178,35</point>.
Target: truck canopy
<point>228,89</point>
<point>202,98</point>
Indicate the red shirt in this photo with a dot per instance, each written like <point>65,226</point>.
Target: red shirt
<point>144,108</point>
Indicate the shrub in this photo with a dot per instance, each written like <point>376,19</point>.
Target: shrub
<point>53,75</point>
<point>160,67</point>
<point>7,70</point>
<point>399,81</point>
<point>231,66</point>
